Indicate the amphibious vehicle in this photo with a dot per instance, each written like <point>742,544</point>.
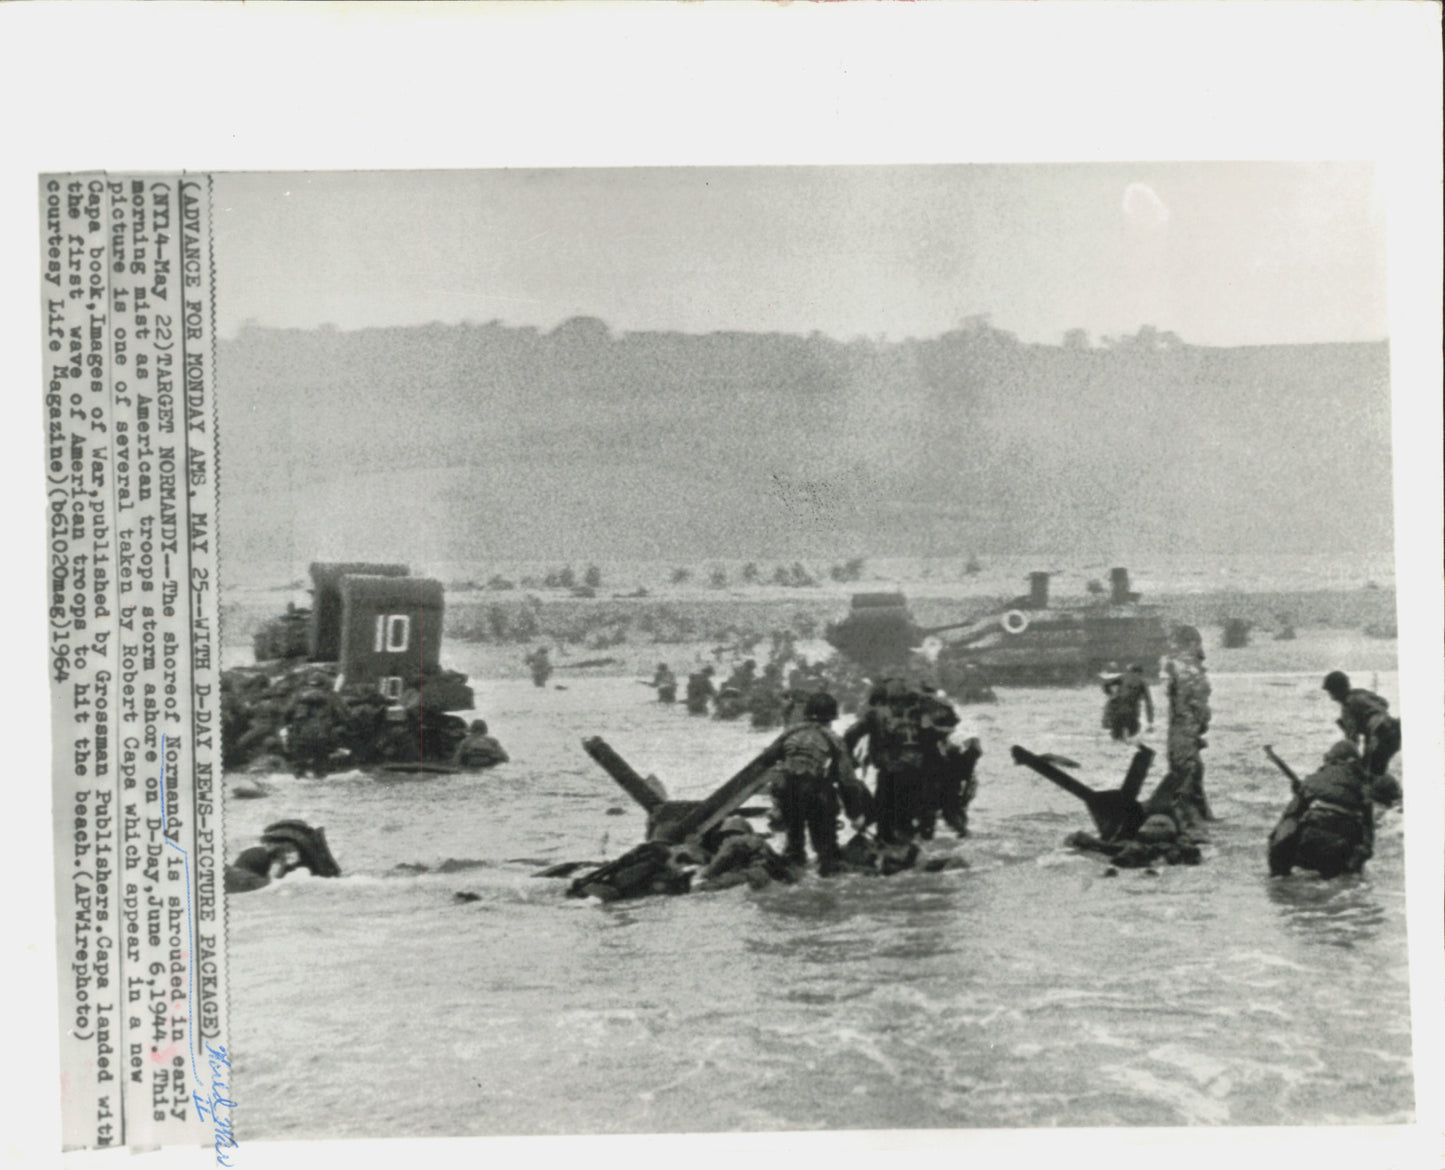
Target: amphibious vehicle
<point>358,672</point>
<point>1028,641</point>
<point>370,625</point>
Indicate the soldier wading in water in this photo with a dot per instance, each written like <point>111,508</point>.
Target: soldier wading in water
<point>817,770</point>
<point>700,690</point>
<point>1189,715</point>
<point>892,726</point>
<point>1367,723</point>
<point>540,665</point>
<point>1126,695</point>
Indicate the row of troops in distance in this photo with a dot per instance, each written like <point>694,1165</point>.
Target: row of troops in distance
<point>771,699</point>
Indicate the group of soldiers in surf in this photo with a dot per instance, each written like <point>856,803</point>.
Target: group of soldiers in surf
<point>298,721</point>
<point>771,697</point>
<point>1329,825</point>
<point>776,695</point>
<point>1327,828</point>
<point>924,769</point>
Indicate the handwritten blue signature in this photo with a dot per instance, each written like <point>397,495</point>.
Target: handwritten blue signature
<point>215,1106</point>
<point>208,1104</point>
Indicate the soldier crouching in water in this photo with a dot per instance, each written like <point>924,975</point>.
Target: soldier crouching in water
<point>743,857</point>
<point>817,769</point>
<point>1189,715</point>
<point>479,749</point>
<point>956,787</point>
<point>941,789</point>
<point>1329,825</point>
<point>285,846</point>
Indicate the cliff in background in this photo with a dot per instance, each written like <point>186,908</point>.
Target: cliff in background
<point>475,443</point>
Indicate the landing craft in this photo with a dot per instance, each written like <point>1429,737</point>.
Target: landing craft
<point>1027,642</point>
<point>374,625</point>
<point>372,638</point>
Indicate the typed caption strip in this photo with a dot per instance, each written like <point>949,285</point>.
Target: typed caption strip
<point>130,461</point>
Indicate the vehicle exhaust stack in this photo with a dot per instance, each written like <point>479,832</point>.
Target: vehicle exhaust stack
<point>1119,585</point>
<point>1039,590</point>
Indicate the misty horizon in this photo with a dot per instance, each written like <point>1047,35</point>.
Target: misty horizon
<point>1223,254</point>
<point>1161,336</point>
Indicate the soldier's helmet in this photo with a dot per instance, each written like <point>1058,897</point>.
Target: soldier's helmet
<point>1337,682</point>
<point>941,713</point>
<point>821,707</point>
<point>1343,752</point>
<point>895,690</point>
<point>256,859</point>
<point>1188,638</point>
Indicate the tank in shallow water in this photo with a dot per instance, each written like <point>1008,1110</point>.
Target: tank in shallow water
<point>1035,642</point>
<point>1029,641</point>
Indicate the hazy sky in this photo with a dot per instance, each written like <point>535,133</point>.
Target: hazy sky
<point>1221,253</point>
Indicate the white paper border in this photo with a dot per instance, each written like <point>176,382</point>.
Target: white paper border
<point>358,86</point>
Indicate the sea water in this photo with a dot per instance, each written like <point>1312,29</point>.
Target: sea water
<point>1029,989</point>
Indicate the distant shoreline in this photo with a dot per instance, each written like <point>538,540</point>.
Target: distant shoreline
<point>687,614</point>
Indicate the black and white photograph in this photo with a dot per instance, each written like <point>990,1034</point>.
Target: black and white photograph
<point>792,648</point>
<point>790,645</point>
